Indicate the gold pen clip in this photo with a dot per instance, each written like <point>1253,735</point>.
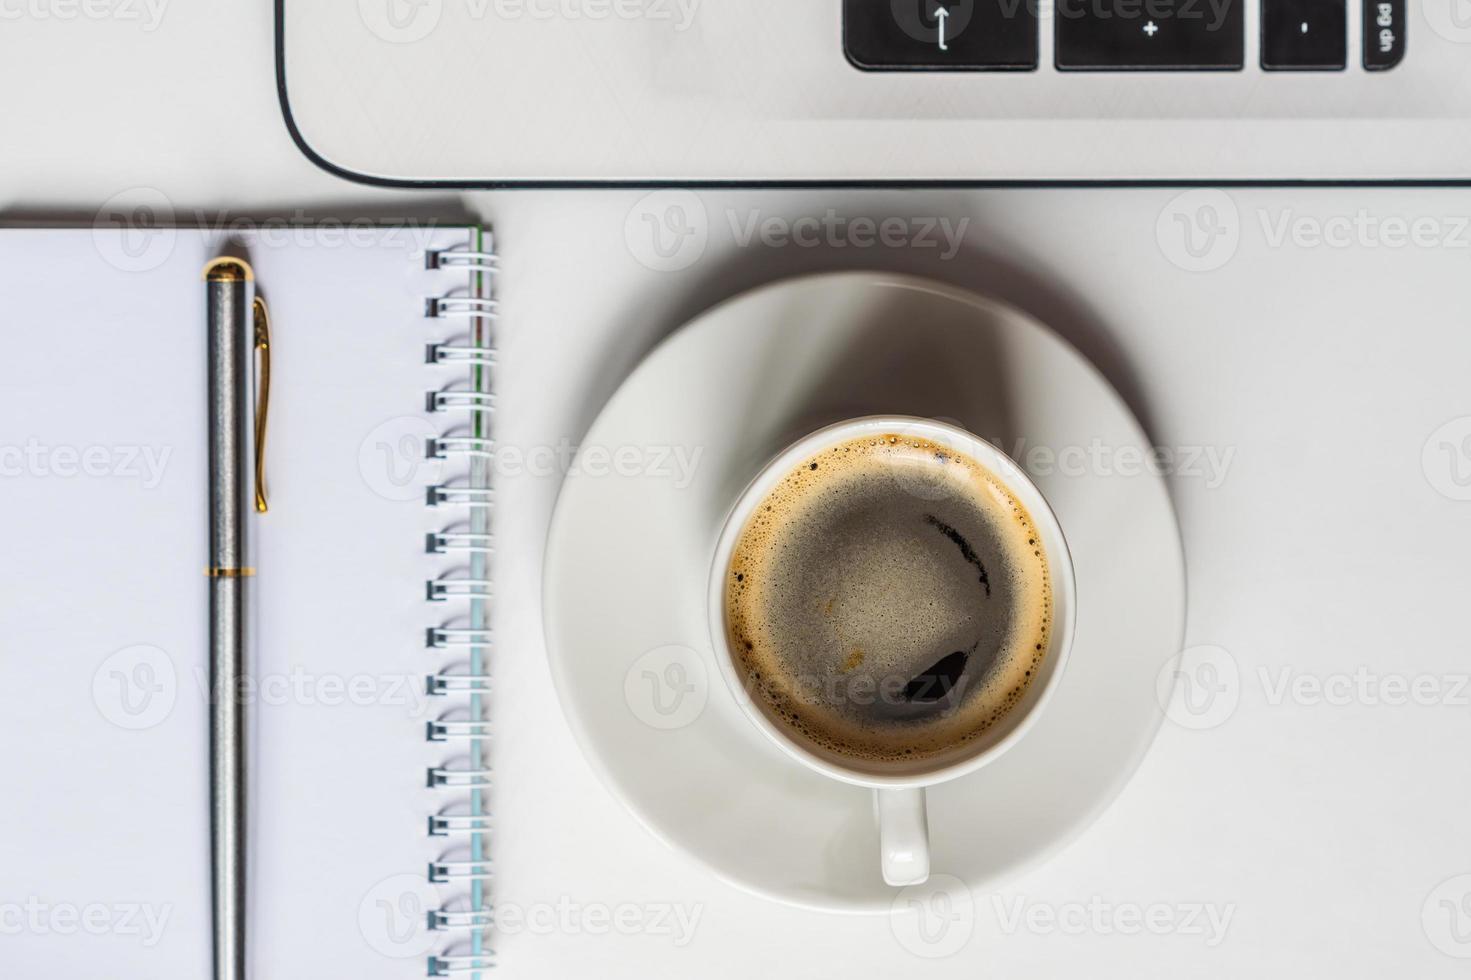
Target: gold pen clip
<point>263,398</point>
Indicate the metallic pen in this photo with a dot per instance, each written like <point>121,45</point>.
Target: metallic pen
<point>238,329</point>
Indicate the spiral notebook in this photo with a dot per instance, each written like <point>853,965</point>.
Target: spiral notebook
<point>370,834</point>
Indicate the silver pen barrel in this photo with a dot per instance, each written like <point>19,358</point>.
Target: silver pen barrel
<point>229,291</point>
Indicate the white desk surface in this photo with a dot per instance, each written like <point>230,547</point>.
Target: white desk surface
<point>1323,823</point>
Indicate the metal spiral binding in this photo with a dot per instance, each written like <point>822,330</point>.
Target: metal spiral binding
<point>442,589</point>
<point>445,731</point>
<point>463,871</point>
<point>443,637</point>
<point>460,354</point>
<point>445,919</point>
<point>450,824</point>
<point>445,493</point>
<point>443,447</point>
<point>474,402</point>
<point>457,966</point>
<point>447,541</point>
<point>459,258</point>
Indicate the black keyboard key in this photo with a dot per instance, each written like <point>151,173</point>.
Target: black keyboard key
<point>1150,35</point>
<point>1304,35</point>
<point>1384,34</point>
<point>930,35</point>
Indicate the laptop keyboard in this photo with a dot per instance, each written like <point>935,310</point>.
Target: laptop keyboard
<point>1116,35</point>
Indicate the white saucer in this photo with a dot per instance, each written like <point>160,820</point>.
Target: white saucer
<point>628,557</point>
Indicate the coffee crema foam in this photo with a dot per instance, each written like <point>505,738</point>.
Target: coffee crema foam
<point>888,601</point>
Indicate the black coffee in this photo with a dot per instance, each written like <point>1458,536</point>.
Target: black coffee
<point>889,601</point>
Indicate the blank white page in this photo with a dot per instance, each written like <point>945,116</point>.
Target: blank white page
<point>342,761</point>
<point>103,609</point>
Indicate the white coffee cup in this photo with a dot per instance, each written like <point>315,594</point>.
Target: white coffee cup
<point>904,850</point>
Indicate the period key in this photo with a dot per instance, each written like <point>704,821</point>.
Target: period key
<point>1304,35</point>
<point>1150,35</point>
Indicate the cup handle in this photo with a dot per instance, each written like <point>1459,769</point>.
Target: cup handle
<point>904,836</point>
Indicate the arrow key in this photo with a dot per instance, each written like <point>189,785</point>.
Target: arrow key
<point>941,35</point>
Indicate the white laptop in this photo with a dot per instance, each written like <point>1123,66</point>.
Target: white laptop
<point>494,92</point>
